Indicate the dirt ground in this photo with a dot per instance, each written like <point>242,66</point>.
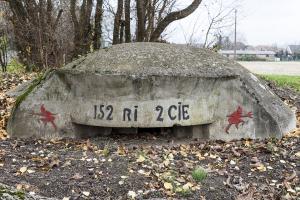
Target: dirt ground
<point>150,166</point>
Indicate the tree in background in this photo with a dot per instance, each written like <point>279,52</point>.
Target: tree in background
<point>3,51</point>
<point>4,39</point>
<point>50,33</point>
<point>87,33</point>
<point>98,25</point>
<point>34,24</point>
<point>215,19</point>
<point>152,18</point>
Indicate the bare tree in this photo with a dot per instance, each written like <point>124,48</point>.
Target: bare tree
<point>214,20</point>
<point>152,18</point>
<point>5,29</point>
<point>117,23</point>
<point>34,24</point>
<point>219,20</point>
<point>82,26</point>
<point>3,51</point>
<point>98,24</point>
<point>173,16</point>
<point>141,12</point>
<point>127,21</point>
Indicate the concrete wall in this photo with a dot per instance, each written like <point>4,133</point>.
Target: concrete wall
<point>123,101</point>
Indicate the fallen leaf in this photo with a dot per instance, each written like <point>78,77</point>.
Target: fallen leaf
<point>30,171</point>
<point>166,162</point>
<point>168,186</point>
<point>261,168</point>
<point>131,194</point>
<point>237,154</point>
<point>19,186</point>
<point>77,176</point>
<point>282,161</point>
<point>180,180</point>
<point>23,169</point>
<point>88,146</point>
<point>141,159</point>
<point>85,193</point>
<point>247,143</point>
<point>121,150</point>
<point>291,191</point>
<point>187,186</point>
<point>213,156</point>
<point>232,162</point>
<point>170,156</point>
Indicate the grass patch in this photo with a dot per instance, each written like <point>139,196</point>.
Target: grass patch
<point>199,174</point>
<point>19,194</point>
<point>15,67</point>
<point>106,150</point>
<point>284,80</point>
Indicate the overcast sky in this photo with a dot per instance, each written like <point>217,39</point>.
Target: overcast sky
<point>260,22</point>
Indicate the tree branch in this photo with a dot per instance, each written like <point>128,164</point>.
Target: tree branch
<point>173,16</point>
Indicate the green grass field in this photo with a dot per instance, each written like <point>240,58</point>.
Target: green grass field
<point>284,80</point>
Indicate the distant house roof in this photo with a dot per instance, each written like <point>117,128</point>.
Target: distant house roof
<point>293,49</point>
<point>247,52</point>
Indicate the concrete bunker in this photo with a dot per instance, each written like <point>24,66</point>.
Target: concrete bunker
<point>194,92</point>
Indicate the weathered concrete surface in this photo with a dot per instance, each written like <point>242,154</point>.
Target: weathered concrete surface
<point>152,85</point>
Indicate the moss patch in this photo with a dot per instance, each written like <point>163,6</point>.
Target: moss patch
<point>34,84</point>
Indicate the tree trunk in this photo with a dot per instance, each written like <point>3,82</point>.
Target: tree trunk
<point>82,27</point>
<point>77,35</point>
<point>3,52</point>
<point>117,23</point>
<point>150,18</point>
<point>173,16</point>
<point>140,7</point>
<point>98,22</point>
<point>127,22</point>
<point>122,31</point>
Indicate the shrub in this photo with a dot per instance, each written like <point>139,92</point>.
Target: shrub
<point>15,66</point>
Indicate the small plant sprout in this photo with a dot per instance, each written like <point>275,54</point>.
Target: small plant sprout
<point>106,151</point>
<point>199,174</point>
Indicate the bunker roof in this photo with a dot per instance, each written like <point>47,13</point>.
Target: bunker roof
<point>144,59</point>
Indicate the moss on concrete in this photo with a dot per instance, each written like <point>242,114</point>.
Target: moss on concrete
<point>34,84</point>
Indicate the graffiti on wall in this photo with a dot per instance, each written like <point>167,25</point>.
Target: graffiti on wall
<point>46,117</point>
<point>179,112</point>
<point>236,118</point>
